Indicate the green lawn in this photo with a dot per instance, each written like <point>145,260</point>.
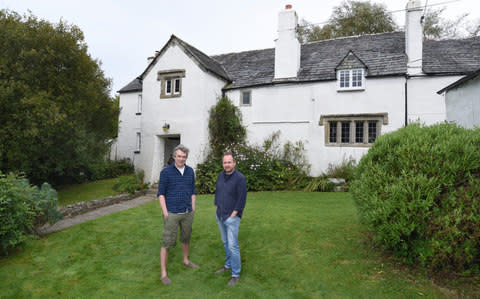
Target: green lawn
<point>84,192</point>
<point>293,245</point>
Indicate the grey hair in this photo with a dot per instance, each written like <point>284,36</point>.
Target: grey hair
<point>182,148</point>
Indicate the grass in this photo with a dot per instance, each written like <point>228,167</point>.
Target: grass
<point>71,194</point>
<point>293,245</point>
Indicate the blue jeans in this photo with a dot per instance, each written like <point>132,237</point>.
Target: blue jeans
<point>229,233</point>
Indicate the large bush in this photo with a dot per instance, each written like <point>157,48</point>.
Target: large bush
<point>419,189</point>
<point>22,207</point>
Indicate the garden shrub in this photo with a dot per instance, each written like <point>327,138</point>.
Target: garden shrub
<point>22,207</point>
<point>267,167</point>
<point>345,170</point>
<point>418,189</point>
<point>132,183</point>
<point>319,184</point>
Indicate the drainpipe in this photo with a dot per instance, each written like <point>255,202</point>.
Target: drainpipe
<point>406,100</point>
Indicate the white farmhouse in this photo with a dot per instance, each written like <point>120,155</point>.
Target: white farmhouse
<point>336,95</point>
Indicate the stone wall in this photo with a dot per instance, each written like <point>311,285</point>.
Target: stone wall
<point>87,206</point>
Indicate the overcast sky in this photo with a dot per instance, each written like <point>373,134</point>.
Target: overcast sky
<point>123,33</point>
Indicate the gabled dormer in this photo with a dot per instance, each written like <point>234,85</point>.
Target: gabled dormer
<point>351,73</point>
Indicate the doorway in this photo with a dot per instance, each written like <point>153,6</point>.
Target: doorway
<point>170,144</point>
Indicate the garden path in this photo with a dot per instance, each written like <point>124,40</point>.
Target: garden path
<point>68,222</point>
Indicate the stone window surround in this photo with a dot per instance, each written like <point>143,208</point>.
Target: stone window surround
<point>380,118</point>
<point>173,74</point>
<point>241,97</point>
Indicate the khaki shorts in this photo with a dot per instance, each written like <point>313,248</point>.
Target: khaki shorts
<point>170,229</point>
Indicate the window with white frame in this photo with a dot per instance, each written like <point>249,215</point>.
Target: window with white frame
<point>352,130</point>
<point>351,79</point>
<point>246,98</point>
<point>138,143</point>
<point>139,104</point>
<point>171,83</point>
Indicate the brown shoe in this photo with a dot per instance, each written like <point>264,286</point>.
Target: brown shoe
<point>223,269</point>
<point>165,280</point>
<point>233,281</point>
<point>190,265</point>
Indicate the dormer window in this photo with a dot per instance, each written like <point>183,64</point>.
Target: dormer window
<point>351,73</point>
<point>351,79</point>
<point>171,83</point>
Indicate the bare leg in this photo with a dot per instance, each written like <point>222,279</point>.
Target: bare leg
<point>185,248</point>
<point>163,261</point>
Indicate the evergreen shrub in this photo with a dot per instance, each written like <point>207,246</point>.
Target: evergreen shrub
<point>418,189</point>
<point>22,207</point>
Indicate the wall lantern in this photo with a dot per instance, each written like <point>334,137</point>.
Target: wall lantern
<point>166,127</point>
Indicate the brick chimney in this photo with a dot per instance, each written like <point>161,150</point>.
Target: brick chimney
<point>287,46</point>
<point>414,37</point>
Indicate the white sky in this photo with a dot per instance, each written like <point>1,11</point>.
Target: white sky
<point>123,33</point>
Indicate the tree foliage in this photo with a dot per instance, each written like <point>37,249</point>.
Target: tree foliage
<point>350,18</point>
<point>56,109</point>
<point>225,127</point>
<point>362,17</point>
<point>436,27</point>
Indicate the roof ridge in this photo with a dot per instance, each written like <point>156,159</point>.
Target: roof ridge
<point>352,37</point>
<point>241,52</point>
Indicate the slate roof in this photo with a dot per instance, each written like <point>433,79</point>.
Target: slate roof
<point>383,54</point>
<point>457,56</point>
<point>205,61</point>
<point>135,85</point>
<point>460,81</point>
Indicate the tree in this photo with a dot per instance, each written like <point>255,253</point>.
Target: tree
<point>56,109</point>
<point>225,127</point>
<point>350,18</point>
<point>437,27</point>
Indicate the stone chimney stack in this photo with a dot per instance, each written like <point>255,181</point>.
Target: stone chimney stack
<point>414,37</point>
<point>287,46</point>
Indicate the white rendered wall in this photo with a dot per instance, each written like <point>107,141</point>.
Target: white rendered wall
<point>463,104</point>
<point>424,104</point>
<point>129,125</point>
<point>187,115</point>
<point>295,110</point>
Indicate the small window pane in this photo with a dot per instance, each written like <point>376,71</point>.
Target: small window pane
<point>345,132</point>
<point>246,98</point>
<point>332,137</point>
<point>168,86</point>
<point>372,131</point>
<point>357,78</point>
<point>177,86</point>
<point>139,104</point>
<point>139,141</point>
<point>344,79</point>
<point>359,131</point>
